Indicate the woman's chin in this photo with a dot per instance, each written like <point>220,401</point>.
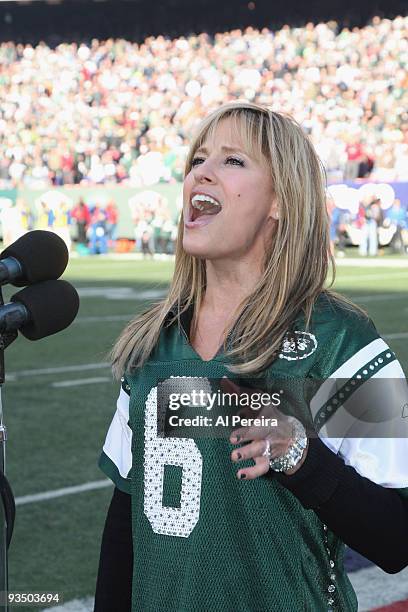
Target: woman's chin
<point>196,252</point>
<point>195,249</point>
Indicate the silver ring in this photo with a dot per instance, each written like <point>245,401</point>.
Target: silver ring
<point>267,451</point>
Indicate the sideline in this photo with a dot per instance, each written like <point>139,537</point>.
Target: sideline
<point>384,276</point>
<point>371,262</point>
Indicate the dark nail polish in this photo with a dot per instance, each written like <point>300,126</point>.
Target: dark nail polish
<point>242,476</point>
<point>239,456</point>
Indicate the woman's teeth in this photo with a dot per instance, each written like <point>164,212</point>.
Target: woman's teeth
<point>201,197</point>
<point>206,204</point>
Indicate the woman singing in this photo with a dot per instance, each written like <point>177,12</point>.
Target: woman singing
<point>255,521</point>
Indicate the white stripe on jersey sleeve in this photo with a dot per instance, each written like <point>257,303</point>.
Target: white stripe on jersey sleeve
<point>345,371</point>
<point>359,359</point>
<point>382,459</point>
<point>118,442</point>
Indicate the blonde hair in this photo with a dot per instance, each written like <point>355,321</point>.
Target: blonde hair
<point>296,261</point>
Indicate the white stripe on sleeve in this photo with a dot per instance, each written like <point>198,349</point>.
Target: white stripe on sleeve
<point>118,442</point>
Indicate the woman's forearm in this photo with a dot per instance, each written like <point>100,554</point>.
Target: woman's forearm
<point>371,519</point>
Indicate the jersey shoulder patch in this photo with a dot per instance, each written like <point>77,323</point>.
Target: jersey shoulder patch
<point>298,345</point>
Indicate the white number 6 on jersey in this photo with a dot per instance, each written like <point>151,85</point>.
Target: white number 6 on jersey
<point>159,452</point>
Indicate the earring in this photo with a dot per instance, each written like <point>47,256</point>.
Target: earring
<point>276,215</point>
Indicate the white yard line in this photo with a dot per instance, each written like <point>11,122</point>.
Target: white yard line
<point>107,318</point>
<point>380,297</point>
<point>121,293</point>
<point>59,370</point>
<point>398,336</point>
<point>81,381</point>
<point>38,497</point>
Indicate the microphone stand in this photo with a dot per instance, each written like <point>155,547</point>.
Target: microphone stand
<point>7,504</point>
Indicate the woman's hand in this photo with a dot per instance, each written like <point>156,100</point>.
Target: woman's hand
<point>263,442</point>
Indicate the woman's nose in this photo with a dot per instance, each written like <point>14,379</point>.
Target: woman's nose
<point>204,173</point>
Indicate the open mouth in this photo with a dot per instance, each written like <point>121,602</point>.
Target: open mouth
<point>202,205</point>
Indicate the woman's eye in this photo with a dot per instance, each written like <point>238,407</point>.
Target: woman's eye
<point>196,161</point>
<point>235,161</point>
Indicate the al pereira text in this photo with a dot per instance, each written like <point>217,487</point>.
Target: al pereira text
<point>221,421</point>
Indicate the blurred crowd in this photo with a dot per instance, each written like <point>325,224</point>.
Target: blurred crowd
<point>155,230</point>
<point>371,227</point>
<point>95,226</point>
<point>92,227</point>
<point>119,112</point>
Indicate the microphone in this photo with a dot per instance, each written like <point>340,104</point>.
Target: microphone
<point>41,310</point>
<point>37,256</point>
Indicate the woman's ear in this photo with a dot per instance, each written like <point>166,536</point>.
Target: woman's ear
<point>274,210</point>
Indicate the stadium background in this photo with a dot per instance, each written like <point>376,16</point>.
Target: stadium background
<point>59,395</point>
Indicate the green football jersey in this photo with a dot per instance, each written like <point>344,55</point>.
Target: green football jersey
<point>205,540</point>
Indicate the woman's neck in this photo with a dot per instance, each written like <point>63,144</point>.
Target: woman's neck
<point>228,285</point>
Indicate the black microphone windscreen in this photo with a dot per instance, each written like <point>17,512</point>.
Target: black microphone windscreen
<point>43,255</point>
<point>52,304</point>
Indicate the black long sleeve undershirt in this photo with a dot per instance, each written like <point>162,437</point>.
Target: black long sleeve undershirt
<point>371,519</point>
<point>114,581</point>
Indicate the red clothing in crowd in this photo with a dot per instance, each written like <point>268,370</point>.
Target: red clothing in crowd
<point>354,151</point>
<point>111,211</point>
<point>81,214</point>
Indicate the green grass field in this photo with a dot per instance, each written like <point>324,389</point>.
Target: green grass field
<point>56,432</point>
